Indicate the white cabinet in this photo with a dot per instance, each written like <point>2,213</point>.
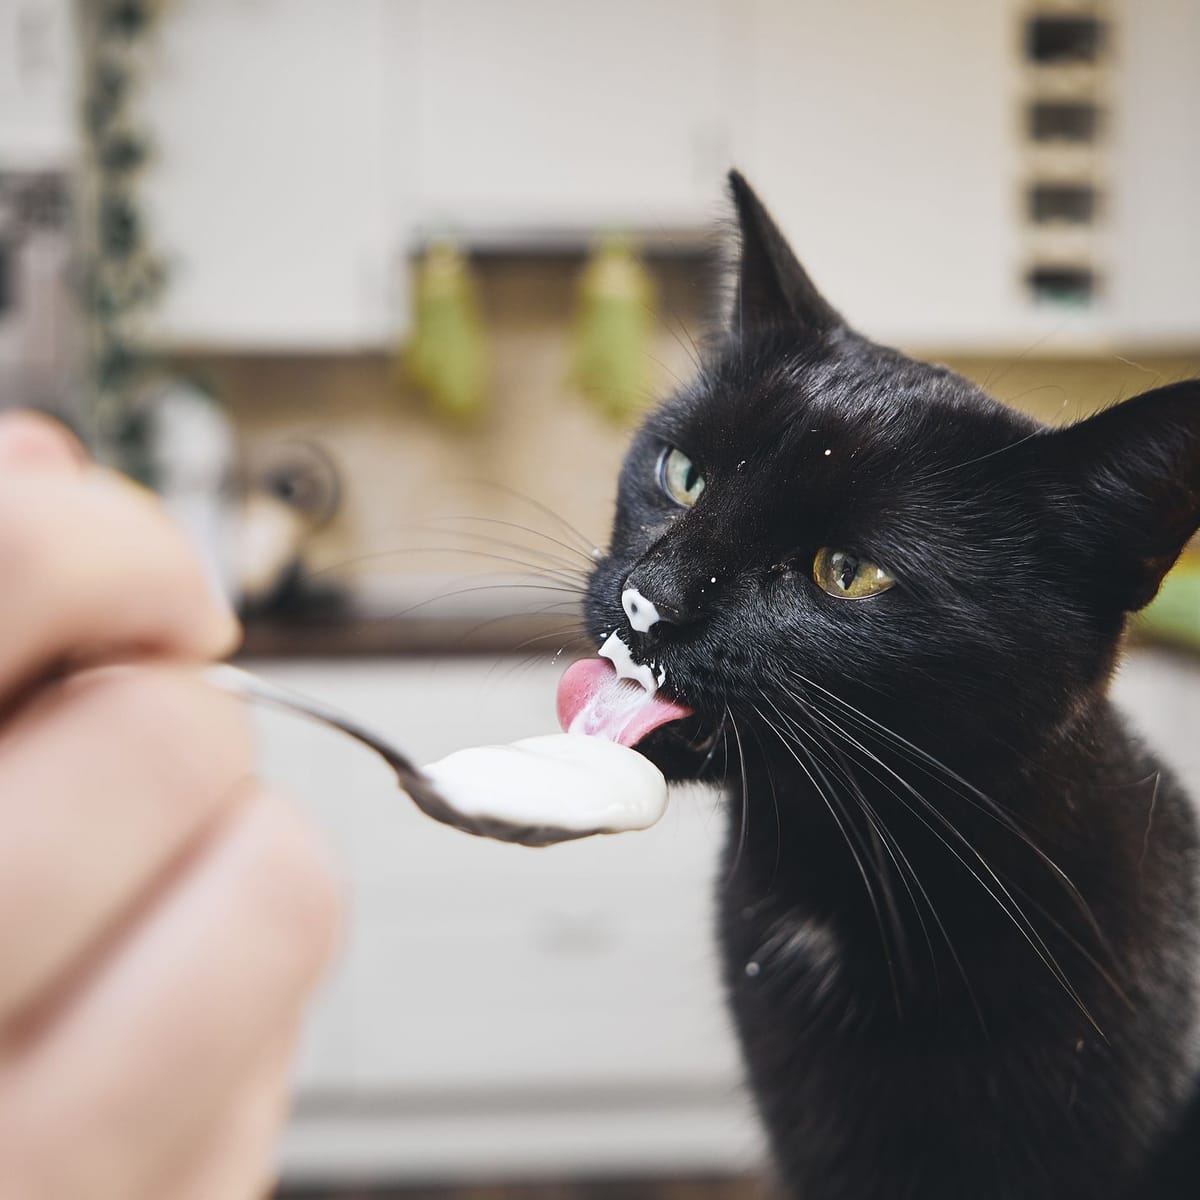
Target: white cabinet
<point>267,197</point>
<point>889,144</point>
<point>882,141</point>
<point>38,118</point>
<point>505,1011</point>
<point>304,147</point>
<point>548,115</point>
<point>496,1007</point>
<point>1158,690</point>
<point>1156,244</point>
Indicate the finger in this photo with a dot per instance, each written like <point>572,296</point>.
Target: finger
<point>94,569</point>
<point>31,440</point>
<point>236,1160</point>
<point>159,1038</point>
<point>104,783</point>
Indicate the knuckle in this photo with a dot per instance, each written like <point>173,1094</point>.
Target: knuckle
<point>195,739</point>
<point>24,548</point>
<point>32,438</point>
<point>170,570</point>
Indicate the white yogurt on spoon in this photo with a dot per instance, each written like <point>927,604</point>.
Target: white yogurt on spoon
<point>536,791</point>
<point>550,789</point>
<point>564,786</point>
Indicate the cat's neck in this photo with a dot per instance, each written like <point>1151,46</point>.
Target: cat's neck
<point>893,853</point>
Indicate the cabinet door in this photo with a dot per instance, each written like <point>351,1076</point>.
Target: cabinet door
<point>37,92</point>
<point>884,144</point>
<point>265,196</point>
<point>541,115</point>
<point>1157,173</point>
<point>477,975</point>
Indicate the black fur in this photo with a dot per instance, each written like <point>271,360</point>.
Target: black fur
<point>959,911</point>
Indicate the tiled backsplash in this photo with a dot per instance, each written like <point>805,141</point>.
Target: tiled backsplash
<point>406,472</point>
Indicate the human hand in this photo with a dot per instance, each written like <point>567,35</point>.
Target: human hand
<point>162,916</point>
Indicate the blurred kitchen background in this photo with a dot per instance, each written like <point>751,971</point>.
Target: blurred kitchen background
<point>373,290</point>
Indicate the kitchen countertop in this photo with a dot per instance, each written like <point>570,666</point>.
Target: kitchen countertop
<point>450,615</point>
<point>383,637</point>
<point>419,615</point>
<point>366,634</point>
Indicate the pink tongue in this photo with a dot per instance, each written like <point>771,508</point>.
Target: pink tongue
<point>593,700</point>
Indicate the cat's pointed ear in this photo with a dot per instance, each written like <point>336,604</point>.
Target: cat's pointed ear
<point>1134,476</point>
<point>773,289</point>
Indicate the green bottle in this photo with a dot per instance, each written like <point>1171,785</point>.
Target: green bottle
<point>614,332</point>
<point>446,356</point>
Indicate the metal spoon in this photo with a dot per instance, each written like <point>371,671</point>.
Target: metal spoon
<point>413,780</point>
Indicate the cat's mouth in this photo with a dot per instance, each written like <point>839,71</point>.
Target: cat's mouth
<point>594,699</point>
<point>618,698</point>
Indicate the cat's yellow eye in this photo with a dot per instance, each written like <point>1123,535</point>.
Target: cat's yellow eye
<point>679,477</point>
<point>847,576</point>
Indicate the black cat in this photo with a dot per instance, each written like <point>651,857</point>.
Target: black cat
<point>959,913</point>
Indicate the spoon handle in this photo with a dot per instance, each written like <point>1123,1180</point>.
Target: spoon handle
<point>256,690</point>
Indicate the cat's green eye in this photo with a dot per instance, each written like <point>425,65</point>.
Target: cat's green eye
<point>847,576</point>
<point>679,477</point>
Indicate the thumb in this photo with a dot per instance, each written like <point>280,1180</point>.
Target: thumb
<point>31,440</point>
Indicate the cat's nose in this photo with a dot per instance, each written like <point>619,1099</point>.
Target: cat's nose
<point>645,613</point>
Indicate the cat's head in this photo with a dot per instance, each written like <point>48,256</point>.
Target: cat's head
<point>818,516</point>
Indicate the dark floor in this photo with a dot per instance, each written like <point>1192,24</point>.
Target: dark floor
<point>703,1188</point>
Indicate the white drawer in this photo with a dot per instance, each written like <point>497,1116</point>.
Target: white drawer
<point>477,967</point>
<point>533,996</point>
